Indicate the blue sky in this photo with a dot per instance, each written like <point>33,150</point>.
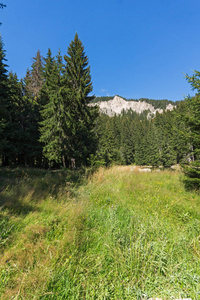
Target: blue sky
<point>135,48</point>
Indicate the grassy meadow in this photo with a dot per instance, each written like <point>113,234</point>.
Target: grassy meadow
<point>115,234</point>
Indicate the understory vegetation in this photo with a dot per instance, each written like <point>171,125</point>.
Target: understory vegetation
<point>113,234</point>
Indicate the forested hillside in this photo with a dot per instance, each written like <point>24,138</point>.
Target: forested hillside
<point>131,138</point>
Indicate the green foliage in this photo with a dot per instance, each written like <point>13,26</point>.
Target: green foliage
<point>192,119</point>
<point>102,98</point>
<point>115,139</point>
<point>55,116</point>
<point>67,126</point>
<point>55,97</point>
<point>6,229</point>
<point>131,138</point>
<point>127,142</point>
<point>4,103</point>
<point>36,77</point>
<point>122,235</point>
<point>31,117</point>
<point>46,120</point>
<point>13,130</point>
<point>158,103</point>
<point>159,141</point>
<point>47,78</point>
<point>192,172</point>
<point>82,140</point>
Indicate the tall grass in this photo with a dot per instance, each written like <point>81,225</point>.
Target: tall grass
<point>116,235</point>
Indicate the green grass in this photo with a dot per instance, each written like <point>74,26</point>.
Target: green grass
<point>118,234</point>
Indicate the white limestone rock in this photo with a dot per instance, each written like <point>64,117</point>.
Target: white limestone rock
<point>117,105</point>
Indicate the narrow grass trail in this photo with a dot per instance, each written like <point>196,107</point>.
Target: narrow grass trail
<point>117,234</point>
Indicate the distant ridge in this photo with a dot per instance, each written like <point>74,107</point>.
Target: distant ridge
<point>117,105</point>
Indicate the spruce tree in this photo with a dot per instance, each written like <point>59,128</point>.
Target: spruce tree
<point>37,81</point>
<point>140,142</point>
<point>192,170</point>
<point>32,85</point>
<point>181,131</point>
<point>127,148</point>
<point>5,104</point>
<point>152,146</point>
<point>107,150</point>
<point>82,139</point>
<point>55,124</point>
<point>168,153</point>
<point>46,74</point>
<point>14,128</point>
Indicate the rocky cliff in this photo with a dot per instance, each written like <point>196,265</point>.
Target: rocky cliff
<point>116,105</point>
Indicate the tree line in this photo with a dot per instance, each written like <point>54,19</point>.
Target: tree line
<point>170,138</point>
<point>45,120</point>
<point>131,138</point>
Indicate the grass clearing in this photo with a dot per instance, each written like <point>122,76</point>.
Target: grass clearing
<point>118,234</point>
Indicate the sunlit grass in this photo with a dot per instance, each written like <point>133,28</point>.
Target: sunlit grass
<point>116,235</point>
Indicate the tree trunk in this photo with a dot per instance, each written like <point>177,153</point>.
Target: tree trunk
<point>63,161</point>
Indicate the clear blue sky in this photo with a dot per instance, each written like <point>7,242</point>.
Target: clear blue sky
<point>135,48</point>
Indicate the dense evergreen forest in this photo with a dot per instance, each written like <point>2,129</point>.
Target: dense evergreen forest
<point>131,138</point>
<point>45,120</point>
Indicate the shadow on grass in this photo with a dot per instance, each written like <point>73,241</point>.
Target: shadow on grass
<point>14,206</point>
<point>21,189</point>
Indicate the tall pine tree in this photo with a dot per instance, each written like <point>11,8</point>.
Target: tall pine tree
<point>192,119</point>
<point>32,85</point>
<point>55,124</point>
<point>4,104</point>
<point>82,139</point>
<point>14,128</point>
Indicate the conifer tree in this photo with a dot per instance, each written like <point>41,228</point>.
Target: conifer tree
<point>54,127</point>
<point>192,119</point>
<point>4,103</point>
<point>127,140</point>
<point>36,79</point>
<point>168,154</point>
<point>14,128</point>
<point>82,138</point>
<point>181,131</point>
<point>47,72</point>
<point>111,143</point>
<point>152,146</point>
<point>192,170</point>
<point>32,85</point>
<point>140,143</point>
